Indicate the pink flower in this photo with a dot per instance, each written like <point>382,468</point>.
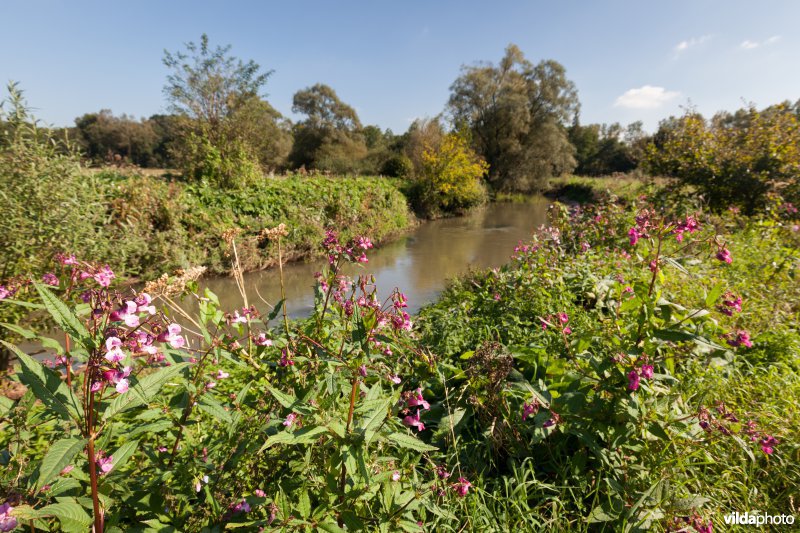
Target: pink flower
<point>7,522</point>
<point>768,444</point>
<point>122,386</point>
<point>567,330</point>
<point>646,371</point>
<point>66,470</point>
<point>633,380</point>
<point>5,292</point>
<point>742,339</point>
<point>395,379</point>
<point>210,385</point>
<point>724,255</point>
<point>462,487</point>
<point>563,318</point>
<point>286,358</point>
<point>114,352</point>
<point>222,375</point>
<point>413,421</point>
<point>103,276</point>
<point>66,259</point>
<point>290,419</point>
<point>362,370</point>
<point>50,279</point>
<point>529,409</point>
<point>416,400</point>
<point>260,493</point>
<point>173,336</point>
<point>441,472</point>
<point>634,235</point>
<point>128,315</point>
<point>143,301</point>
<point>262,340</point>
<point>395,476</point>
<point>105,463</point>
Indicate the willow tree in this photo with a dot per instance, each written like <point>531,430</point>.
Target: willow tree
<point>516,113</point>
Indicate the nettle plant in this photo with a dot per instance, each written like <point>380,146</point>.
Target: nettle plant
<point>157,418</point>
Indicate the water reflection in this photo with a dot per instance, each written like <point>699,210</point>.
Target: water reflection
<point>419,263</point>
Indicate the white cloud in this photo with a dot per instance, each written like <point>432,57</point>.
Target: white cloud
<point>689,43</point>
<point>645,97</point>
<point>749,45</point>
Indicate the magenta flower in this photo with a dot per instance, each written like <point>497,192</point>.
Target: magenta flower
<point>362,370</point>
<point>394,378</point>
<point>222,375</point>
<point>5,292</point>
<point>529,409</point>
<point>567,330</point>
<point>441,472</point>
<point>731,304</point>
<point>143,302</point>
<point>768,444</point>
<point>66,470</point>
<point>7,522</point>
<point>413,421</point>
<point>742,339</point>
<point>563,318</point>
<point>395,476</point>
<point>646,371</point>
<point>260,493</point>
<point>416,400</point>
<point>633,380</point>
<point>462,487</point>
<point>724,255</point>
<point>634,235</point>
<point>50,279</point>
<point>291,418</point>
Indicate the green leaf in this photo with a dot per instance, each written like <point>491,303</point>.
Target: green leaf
<point>64,317</point>
<point>305,435</point>
<point>714,294</point>
<point>47,386</point>
<point>405,440</point>
<point>25,512</point>
<point>304,505</point>
<point>448,421</point>
<point>58,456</point>
<point>29,305</point>
<point>122,454</point>
<point>214,408</point>
<point>67,510</point>
<point>283,398</point>
<point>656,429</point>
<point>22,332</point>
<point>370,422</point>
<point>330,527</point>
<point>144,389</point>
<point>276,310</point>
<point>606,512</point>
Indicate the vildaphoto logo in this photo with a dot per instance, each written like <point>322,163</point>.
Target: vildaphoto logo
<point>758,519</point>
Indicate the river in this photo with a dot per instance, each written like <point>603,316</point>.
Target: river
<point>419,263</point>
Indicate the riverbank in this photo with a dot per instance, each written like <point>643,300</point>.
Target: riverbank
<point>164,225</point>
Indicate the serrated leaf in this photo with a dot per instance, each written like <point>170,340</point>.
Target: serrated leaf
<point>67,510</point>
<point>214,408</point>
<point>25,512</point>
<point>143,390</point>
<point>65,318</point>
<point>47,385</point>
<point>304,505</point>
<point>409,441</point>
<point>58,456</point>
<point>372,420</point>
<point>283,398</point>
<point>330,527</point>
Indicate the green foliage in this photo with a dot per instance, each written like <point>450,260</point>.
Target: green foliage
<point>397,166</point>
<point>451,177</point>
<point>732,160</point>
<point>330,139</point>
<point>516,112</point>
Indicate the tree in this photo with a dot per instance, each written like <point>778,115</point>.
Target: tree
<point>731,159</point>
<point>516,113</point>
<point>600,150</point>
<point>451,177</point>
<point>330,138</point>
<point>218,93</point>
<point>104,137</point>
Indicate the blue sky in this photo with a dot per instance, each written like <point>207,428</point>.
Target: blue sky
<point>394,61</point>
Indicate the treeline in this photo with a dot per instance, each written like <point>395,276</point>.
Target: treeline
<point>519,117</point>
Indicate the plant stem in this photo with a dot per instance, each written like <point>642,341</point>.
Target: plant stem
<point>98,517</point>
<point>343,475</point>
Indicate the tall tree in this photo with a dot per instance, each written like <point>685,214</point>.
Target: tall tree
<point>516,113</point>
<point>218,94</point>
<point>331,136</point>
